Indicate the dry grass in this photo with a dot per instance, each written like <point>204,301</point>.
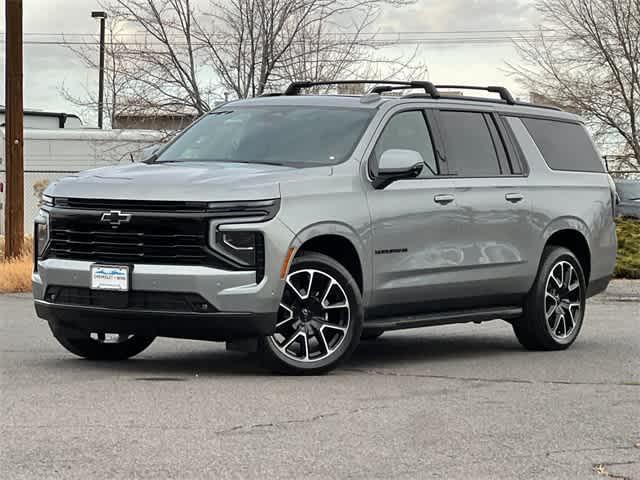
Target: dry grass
<point>15,274</point>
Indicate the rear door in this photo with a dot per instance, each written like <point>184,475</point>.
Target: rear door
<point>491,189</point>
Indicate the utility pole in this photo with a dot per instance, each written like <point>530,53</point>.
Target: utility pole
<point>102,16</point>
<point>14,143</point>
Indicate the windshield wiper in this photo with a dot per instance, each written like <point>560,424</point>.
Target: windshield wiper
<point>151,159</point>
<point>154,159</point>
<point>279,164</point>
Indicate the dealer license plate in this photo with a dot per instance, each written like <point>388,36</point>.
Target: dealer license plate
<point>109,277</point>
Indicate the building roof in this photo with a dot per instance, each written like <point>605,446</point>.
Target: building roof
<point>62,117</point>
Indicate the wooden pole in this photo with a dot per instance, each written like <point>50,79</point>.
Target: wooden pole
<point>14,143</point>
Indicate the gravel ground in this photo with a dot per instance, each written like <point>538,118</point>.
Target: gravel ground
<point>454,402</point>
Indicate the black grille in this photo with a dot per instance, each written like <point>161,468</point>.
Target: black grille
<point>146,238</point>
<point>151,232</point>
<point>133,300</point>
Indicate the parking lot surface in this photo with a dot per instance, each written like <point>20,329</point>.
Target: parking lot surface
<point>454,402</point>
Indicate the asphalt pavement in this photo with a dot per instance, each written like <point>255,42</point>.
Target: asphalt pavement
<point>453,402</point>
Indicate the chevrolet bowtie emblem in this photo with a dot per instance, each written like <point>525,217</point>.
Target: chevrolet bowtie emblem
<point>115,218</point>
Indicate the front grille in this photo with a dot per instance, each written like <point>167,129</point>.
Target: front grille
<point>146,238</point>
<point>154,232</point>
<point>133,300</point>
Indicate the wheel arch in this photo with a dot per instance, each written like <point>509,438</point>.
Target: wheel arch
<point>573,235</point>
<point>342,244</point>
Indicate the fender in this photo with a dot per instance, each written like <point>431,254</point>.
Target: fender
<point>362,245</point>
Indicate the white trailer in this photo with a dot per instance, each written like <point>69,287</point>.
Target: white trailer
<point>52,154</point>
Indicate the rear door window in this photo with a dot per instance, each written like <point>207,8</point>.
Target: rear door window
<point>564,146</point>
<point>469,144</point>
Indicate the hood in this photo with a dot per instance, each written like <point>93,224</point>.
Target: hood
<point>184,181</point>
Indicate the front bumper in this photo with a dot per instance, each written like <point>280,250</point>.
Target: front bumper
<point>241,307</point>
<point>218,326</point>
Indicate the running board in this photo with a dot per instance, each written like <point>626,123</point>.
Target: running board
<point>433,319</point>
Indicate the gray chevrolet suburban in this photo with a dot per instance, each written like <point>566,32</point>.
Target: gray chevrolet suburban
<point>298,225</point>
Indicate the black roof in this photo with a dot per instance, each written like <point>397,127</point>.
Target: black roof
<point>62,117</point>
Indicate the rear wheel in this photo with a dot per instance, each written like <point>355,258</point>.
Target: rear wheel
<point>319,320</point>
<point>554,309</point>
<point>100,345</point>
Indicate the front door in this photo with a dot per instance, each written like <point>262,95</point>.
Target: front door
<point>415,224</point>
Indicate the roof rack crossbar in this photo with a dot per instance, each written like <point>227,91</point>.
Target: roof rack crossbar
<point>502,91</point>
<point>383,86</point>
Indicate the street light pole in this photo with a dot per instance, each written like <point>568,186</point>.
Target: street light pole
<point>102,16</point>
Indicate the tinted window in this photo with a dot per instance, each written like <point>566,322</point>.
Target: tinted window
<point>408,131</point>
<point>564,146</point>
<point>295,136</point>
<point>469,144</point>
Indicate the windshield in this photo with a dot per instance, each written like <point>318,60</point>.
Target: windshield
<point>628,191</point>
<point>292,136</point>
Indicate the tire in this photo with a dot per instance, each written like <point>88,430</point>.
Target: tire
<point>371,334</point>
<point>83,345</point>
<point>309,338</point>
<point>555,306</point>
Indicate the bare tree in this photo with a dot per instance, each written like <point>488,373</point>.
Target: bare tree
<point>169,74</point>
<point>175,58</point>
<point>256,45</point>
<point>348,48</point>
<point>587,57</point>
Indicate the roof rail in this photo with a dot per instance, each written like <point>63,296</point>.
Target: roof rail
<point>384,86</point>
<point>430,90</point>
<point>503,92</point>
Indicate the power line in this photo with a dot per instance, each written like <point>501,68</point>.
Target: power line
<point>374,42</point>
<point>403,32</point>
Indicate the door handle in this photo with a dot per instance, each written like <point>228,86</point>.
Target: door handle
<point>444,199</point>
<point>514,197</point>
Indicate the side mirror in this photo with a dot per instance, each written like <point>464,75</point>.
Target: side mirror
<point>397,164</point>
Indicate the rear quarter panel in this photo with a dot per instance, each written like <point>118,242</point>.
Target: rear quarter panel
<point>569,200</point>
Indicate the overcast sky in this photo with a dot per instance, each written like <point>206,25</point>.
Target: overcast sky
<point>48,67</point>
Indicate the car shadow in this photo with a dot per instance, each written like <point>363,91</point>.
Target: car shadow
<point>168,366</point>
<point>389,350</point>
<point>393,349</point>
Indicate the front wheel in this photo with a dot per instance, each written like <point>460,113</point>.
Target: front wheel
<point>554,309</point>
<point>100,345</point>
<point>319,320</point>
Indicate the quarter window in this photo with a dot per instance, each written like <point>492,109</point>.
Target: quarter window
<point>564,146</point>
<point>408,131</point>
<point>469,145</point>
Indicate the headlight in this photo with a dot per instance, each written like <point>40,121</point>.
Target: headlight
<point>41,232</point>
<point>47,200</point>
<point>239,246</point>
